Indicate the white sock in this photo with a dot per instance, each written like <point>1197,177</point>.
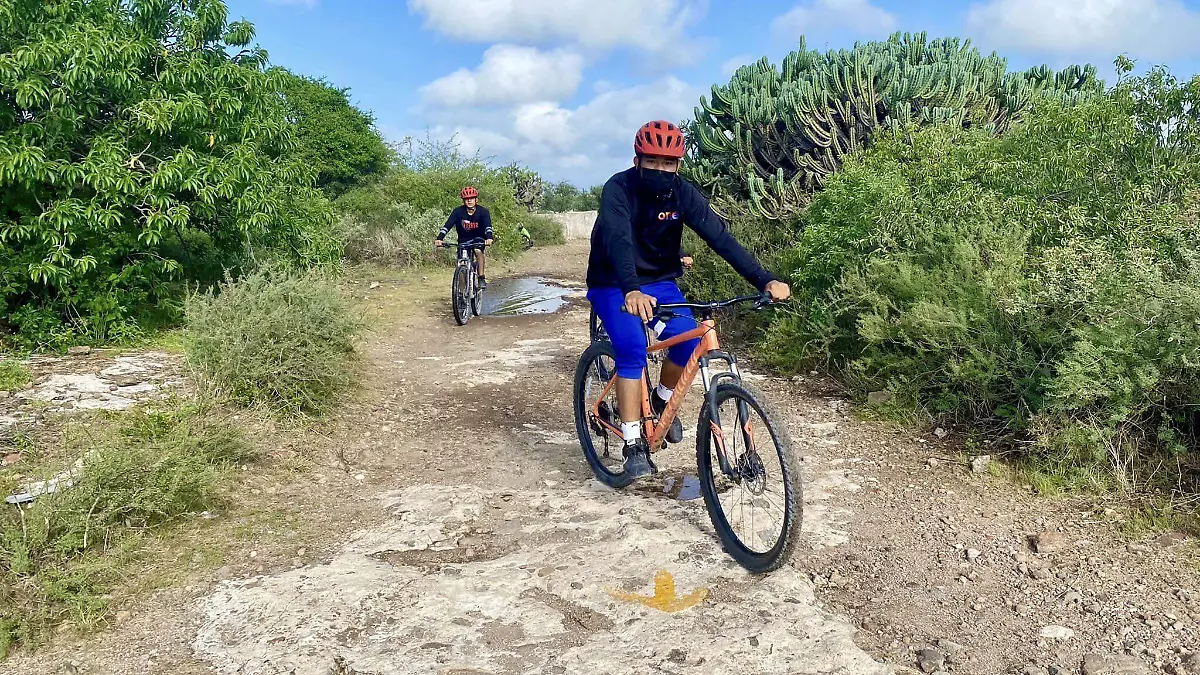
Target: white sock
<point>664,393</point>
<point>631,431</point>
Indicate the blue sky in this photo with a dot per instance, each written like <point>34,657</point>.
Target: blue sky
<point>561,85</point>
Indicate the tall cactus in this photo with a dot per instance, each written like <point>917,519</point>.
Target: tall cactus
<point>526,184</point>
<point>773,135</point>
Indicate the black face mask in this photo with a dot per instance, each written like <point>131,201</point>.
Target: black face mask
<point>653,181</point>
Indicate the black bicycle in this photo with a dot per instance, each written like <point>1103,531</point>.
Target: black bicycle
<point>748,474</point>
<point>466,296</point>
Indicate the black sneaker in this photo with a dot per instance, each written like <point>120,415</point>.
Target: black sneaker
<point>637,459</point>
<point>675,433</point>
<point>482,283</point>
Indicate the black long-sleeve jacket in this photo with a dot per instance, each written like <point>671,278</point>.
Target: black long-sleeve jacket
<point>637,237</point>
<point>468,225</point>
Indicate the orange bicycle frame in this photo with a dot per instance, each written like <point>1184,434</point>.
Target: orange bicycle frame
<point>654,432</point>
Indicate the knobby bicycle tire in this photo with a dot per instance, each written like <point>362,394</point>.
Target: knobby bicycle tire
<point>476,296</point>
<point>793,517</point>
<point>458,296</point>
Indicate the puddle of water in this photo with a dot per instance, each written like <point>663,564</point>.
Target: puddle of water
<point>685,489</point>
<point>528,295</point>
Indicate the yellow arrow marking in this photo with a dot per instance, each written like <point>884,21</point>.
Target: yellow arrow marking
<point>664,598</point>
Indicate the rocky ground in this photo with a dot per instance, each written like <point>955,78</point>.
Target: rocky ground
<point>443,521</point>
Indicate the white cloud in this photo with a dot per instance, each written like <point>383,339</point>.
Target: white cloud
<point>509,75</point>
<point>857,16</point>
<point>730,67</point>
<point>1142,28</point>
<point>584,144</point>
<point>614,117</point>
<point>655,26</point>
<point>544,124</point>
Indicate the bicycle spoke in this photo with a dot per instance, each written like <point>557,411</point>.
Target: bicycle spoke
<point>758,478</point>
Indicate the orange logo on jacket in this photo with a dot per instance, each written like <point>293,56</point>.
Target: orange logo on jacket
<point>669,215</point>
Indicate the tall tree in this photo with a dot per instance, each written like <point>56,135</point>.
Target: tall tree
<point>136,137</point>
<point>564,196</point>
<point>338,140</point>
<point>561,197</point>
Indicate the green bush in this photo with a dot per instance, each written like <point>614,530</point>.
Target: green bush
<point>139,471</point>
<point>713,278</point>
<point>426,181</point>
<point>389,233</point>
<point>275,338</point>
<point>142,145</point>
<point>563,196</point>
<point>13,374</point>
<point>1044,284</point>
<point>333,137</point>
<point>545,231</point>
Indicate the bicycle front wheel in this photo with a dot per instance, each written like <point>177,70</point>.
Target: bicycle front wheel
<point>459,295</point>
<point>477,299</point>
<point>756,508</point>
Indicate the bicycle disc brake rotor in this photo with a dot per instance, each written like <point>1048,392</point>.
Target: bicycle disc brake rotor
<point>752,472</point>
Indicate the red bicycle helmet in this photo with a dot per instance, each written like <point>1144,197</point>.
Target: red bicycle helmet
<point>659,138</point>
<point>469,193</point>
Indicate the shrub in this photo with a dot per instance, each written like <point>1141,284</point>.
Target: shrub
<point>276,338</point>
<point>545,231</point>
<point>13,374</point>
<point>1046,283</point>
<point>139,471</point>
<point>426,180</point>
<point>392,233</point>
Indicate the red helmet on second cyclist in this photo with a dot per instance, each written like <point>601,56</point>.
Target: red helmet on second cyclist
<point>469,193</point>
<point>660,139</point>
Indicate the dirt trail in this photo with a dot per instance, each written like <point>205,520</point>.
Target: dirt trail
<point>448,524</point>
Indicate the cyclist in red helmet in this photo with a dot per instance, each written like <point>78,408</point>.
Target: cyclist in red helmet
<point>634,264</point>
<point>471,221</point>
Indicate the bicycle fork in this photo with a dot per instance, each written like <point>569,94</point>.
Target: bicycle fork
<point>743,410</point>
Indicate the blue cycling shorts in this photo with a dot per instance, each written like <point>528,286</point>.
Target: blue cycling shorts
<point>627,331</point>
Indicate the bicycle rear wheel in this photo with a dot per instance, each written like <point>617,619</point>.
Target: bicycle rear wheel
<point>602,448</point>
<point>596,328</point>
<point>459,295</point>
<point>757,512</point>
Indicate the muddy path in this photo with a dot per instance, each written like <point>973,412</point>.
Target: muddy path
<point>444,521</point>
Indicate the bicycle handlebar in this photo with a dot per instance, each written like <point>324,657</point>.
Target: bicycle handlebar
<point>477,241</point>
<point>761,300</point>
<point>666,311</point>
